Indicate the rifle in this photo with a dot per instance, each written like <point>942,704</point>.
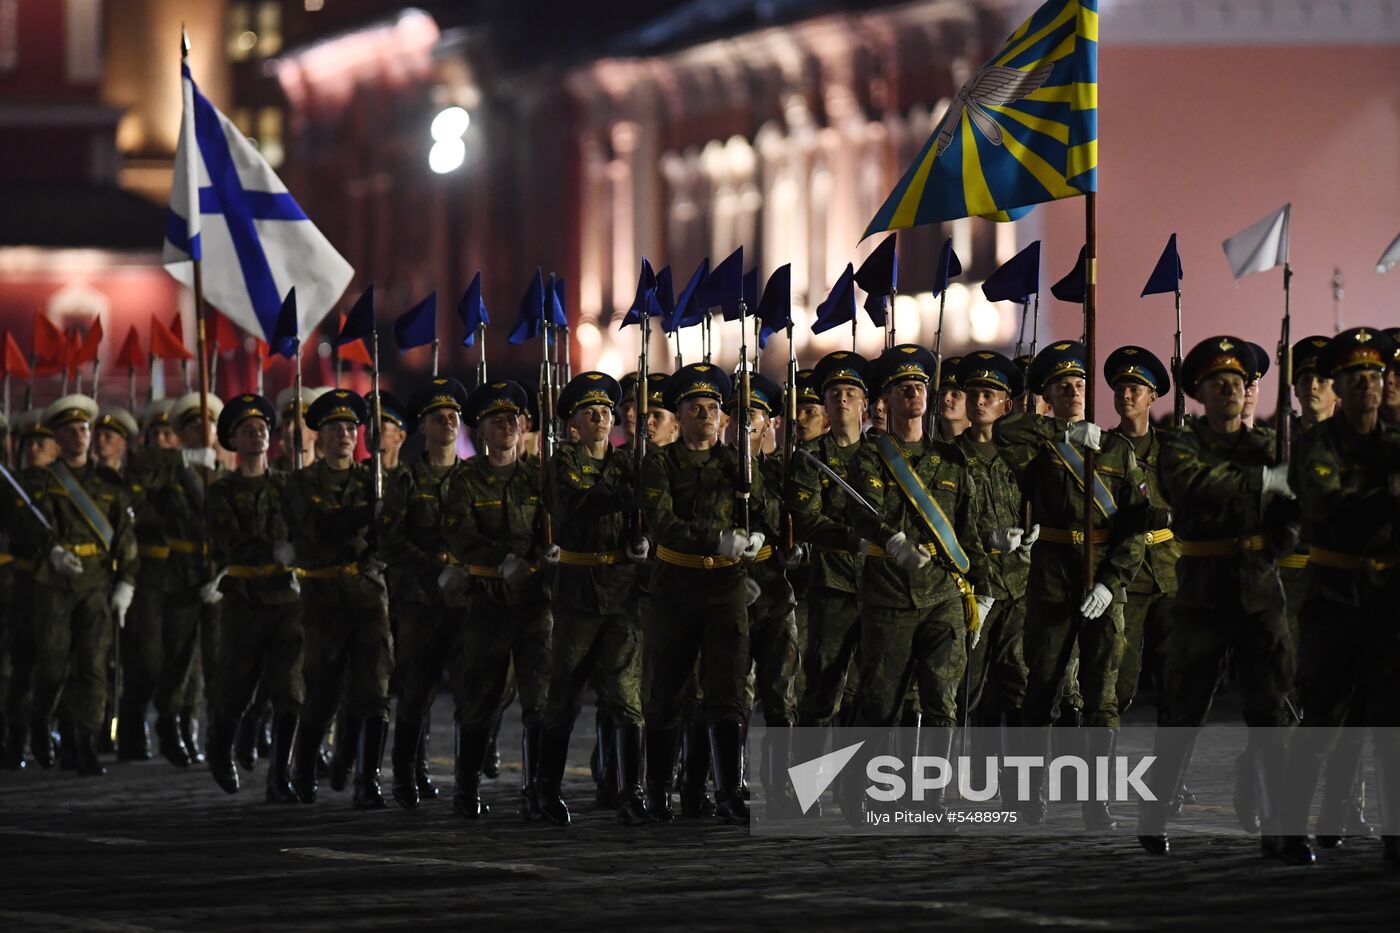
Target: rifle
<point>1285,373</point>
<point>548,371</point>
<point>1178,390</point>
<point>639,434</point>
<point>790,437</point>
<point>741,412</point>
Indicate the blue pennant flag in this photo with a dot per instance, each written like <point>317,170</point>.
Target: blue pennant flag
<point>1017,279</point>
<point>1071,287</point>
<point>472,310</point>
<point>557,317</point>
<point>359,323</point>
<point>531,322</point>
<point>418,325</point>
<point>724,286</point>
<point>284,331</point>
<point>750,290</point>
<point>645,299</point>
<point>840,306</point>
<point>879,276</point>
<point>1166,277</point>
<point>949,267</point>
<point>775,310</point>
<point>688,310</point>
<point>666,300</point>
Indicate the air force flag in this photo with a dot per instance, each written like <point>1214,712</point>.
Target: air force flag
<point>229,209</point>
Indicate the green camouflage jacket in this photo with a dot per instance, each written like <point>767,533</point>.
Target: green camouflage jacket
<point>1000,506</point>
<point>102,565</point>
<point>1158,573</point>
<point>818,507</point>
<point>413,528</point>
<point>491,512</point>
<point>330,515</point>
<point>174,494</point>
<point>247,511</point>
<point>592,504</point>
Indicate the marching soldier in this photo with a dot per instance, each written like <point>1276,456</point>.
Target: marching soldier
<point>261,632</point>
<point>597,638</point>
<point>818,506</point>
<point>689,490</point>
<point>952,402</point>
<point>1390,396</point>
<point>413,530</point>
<point>997,675</point>
<point>329,510</point>
<point>1345,472</point>
<point>925,569</point>
<point>1221,482</point>
<point>812,420</point>
<point>1258,370</point>
<point>496,534</point>
<point>289,414</point>
<point>1047,455</point>
<point>156,430</point>
<point>84,578</point>
<point>174,486</point>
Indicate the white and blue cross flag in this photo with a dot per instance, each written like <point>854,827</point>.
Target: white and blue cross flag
<point>230,210</point>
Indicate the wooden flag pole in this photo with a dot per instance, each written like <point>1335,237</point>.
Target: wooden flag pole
<point>435,353</point>
<point>481,350</point>
<point>1091,282</point>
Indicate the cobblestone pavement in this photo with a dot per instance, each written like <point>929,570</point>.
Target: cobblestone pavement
<point>150,847</point>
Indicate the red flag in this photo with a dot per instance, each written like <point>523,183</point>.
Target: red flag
<point>50,346</point>
<point>165,345</point>
<point>86,351</point>
<point>225,336</point>
<point>356,352</point>
<point>13,362</point>
<point>131,355</point>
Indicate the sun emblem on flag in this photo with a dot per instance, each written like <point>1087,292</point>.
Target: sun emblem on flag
<point>994,86</point>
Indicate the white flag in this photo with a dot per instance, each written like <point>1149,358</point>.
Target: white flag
<point>229,209</point>
<point>1261,246</point>
<point>1390,257</point>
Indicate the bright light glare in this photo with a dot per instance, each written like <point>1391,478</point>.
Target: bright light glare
<point>447,155</point>
<point>451,123</point>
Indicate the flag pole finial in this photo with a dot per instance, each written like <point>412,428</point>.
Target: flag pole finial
<point>184,42</point>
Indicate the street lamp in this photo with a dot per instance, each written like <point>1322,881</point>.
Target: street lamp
<point>448,151</point>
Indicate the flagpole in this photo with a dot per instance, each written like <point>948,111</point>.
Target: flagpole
<point>335,362</point>
<point>938,351</point>
<point>481,350</point>
<point>377,453</point>
<point>1179,393</point>
<point>889,316</point>
<point>855,317</point>
<point>96,383</point>
<point>1338,325</point>
<point>435,353</point>
<point>1091,283</point>
<point>675,338</point>
<point>131,388</point>
<point>258,361</point>
<point>1283,442</point>
<point>29,389</point>
<point>297,440</point>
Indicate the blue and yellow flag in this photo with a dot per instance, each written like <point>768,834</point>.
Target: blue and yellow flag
<point>1021,131</point>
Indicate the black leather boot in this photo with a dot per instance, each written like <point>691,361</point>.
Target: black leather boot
<point>1172,748</point>
<point>1246,796</point>
<point>279,759</point>
<point>403,760</point>
<point>604,761</point>
<point>172,744</point>
<point>16,738</point>
<point>627,751</point>
<point>529,773</point>
<point>1037,739</point>
<point>221,766</point>
<point>727,753</point>
<point>427,790</point>
<point>1342,813</point>
<point>369,757</point>
<point>67,746</point>
<point>85,748</point>
<point>1099,742</point>
<point>308,754</point>
<point>41,742</point>
<point>1274,790</point>
<point>549,776</point>
<point>491,761</point>
<point>695,772</point>
<point>133,733</point>
<point>189,732</point>
<point>466,796</point>
<point>661,764</point>
<point>347,740</point>
<point>780,802</point>
<point>245,740</point>
<point>262,732</point>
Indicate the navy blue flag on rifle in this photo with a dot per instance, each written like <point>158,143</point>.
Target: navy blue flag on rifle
<point>840,306</point>
<point>284,331</point>
<point>1017,279</point>
<point>750,292</point>
<point>1166,276</point>
<point>879,277</point>
<point>775,308</point>
<point>1071,287</point>
<point>359,323</point>
<point>472,310</point>
<point>645,299</point>
<point>689,311</point>
<point>724,286</point>
<point>949,267</point>
<point>417,326</point>
<point>531,321</point>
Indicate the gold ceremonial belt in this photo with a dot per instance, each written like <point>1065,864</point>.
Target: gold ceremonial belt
<point>706,561</point>
<point>6,558</point>
<point>153,551</point>
<point>1061,536</point>
<point>163,551</point>
<point>479,570</point>
<point>250,572</point>
<point>1160,536</point>
<point>1224,547</point>
<point>1294,561</point>
<point>445,558</point>
<point>874,550</point>
<point>333,572</point>
<point>26,566</point>
<point>87,549</point>
<point>1340,560</point>
<point>591,558</point>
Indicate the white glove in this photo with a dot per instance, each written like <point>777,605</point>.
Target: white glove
<point>1276,481</point>
<point>866,548</point>
<point>451,578</point>
<point>637,553</point>
<point>373,565</point>
<point>65,561</point>
<point>751,591</point>
<point>296,584</point>
<point>984,609</point>
<point>732,542</point>
<point>199,456</point>
<point>1096,602</point>
<point>905,555</point>
<point>754,545</point>
<point>1029,538</point>
<point>1084,434</point>
<point>209,593</point>
<point>284,553</point>
<point>1006,540</point>
<point>551,555</point>
<point>797,556</point>
<point>514,570</point>
<point>121,601</point>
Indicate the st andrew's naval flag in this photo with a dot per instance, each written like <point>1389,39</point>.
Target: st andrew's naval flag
<point>229,209</point>
<point>1021,131</point>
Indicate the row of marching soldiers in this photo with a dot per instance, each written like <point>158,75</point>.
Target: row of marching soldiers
<point>938,568</point>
